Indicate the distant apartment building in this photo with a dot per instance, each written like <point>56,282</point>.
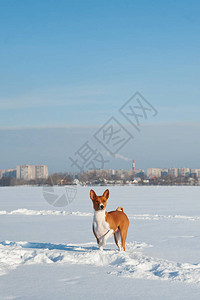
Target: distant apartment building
<point>8,173</point>
<point>120,173</point>
<point>41,171</point>
<point>173,172</point>
<point>101,172</point>
<point>139,172</point>
<point>129,173</point>
<point>113,172</point>
<point>1,173</point>
<point>154,172</point>
<point>195,172</point>
<point>109,173</point>
<point>184,171</point>
<point>28,172</point>
<point>164,172</point>
<point>124,173</point>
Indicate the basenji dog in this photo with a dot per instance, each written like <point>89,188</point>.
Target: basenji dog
<point>105,224</point>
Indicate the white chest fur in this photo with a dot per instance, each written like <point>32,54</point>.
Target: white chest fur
<point>101,227</point>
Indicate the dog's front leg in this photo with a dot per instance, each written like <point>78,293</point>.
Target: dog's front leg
<point>103,239</point>
<point>95,234</point>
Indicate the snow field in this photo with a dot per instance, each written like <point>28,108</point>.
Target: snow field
<point>132,263</point>
<point>162,244</point>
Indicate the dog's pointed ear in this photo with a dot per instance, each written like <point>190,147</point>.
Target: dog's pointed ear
<point>106,194</point>
<point>92,195</point>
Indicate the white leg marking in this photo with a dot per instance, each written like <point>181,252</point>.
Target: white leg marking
<point>118,238</point>
<point>103,240</point>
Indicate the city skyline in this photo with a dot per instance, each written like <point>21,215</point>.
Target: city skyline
<point>26,172</point>
<point>37,171</point>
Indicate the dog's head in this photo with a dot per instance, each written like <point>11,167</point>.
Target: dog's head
<point>99,202</point>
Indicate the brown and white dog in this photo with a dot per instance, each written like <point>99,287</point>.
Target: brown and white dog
<point>105,224</point>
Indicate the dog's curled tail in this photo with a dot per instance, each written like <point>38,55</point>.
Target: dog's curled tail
<point>120,208</point>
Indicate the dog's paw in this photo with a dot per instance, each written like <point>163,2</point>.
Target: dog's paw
<point>101,244</point>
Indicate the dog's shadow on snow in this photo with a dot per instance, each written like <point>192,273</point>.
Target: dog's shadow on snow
<point>63,247</point>
<point>49,246</point>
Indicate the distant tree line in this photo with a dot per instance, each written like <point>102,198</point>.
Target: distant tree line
<point>92,178</point>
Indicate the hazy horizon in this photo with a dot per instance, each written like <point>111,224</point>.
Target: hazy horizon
<point>149,148</point>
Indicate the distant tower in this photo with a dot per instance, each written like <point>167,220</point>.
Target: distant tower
<point>133,165</point>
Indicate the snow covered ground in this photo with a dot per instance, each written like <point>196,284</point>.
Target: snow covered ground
<point>51,253</point>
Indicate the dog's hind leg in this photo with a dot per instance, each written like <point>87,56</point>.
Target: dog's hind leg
<point>117,236</point>
<point>123,231</point>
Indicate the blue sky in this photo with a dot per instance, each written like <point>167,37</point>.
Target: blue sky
<point>74,63</point>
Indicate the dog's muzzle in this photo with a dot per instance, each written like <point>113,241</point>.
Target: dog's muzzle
<point>101,206</point>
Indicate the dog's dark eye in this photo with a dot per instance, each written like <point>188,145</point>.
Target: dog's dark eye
<point>104,201</point>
